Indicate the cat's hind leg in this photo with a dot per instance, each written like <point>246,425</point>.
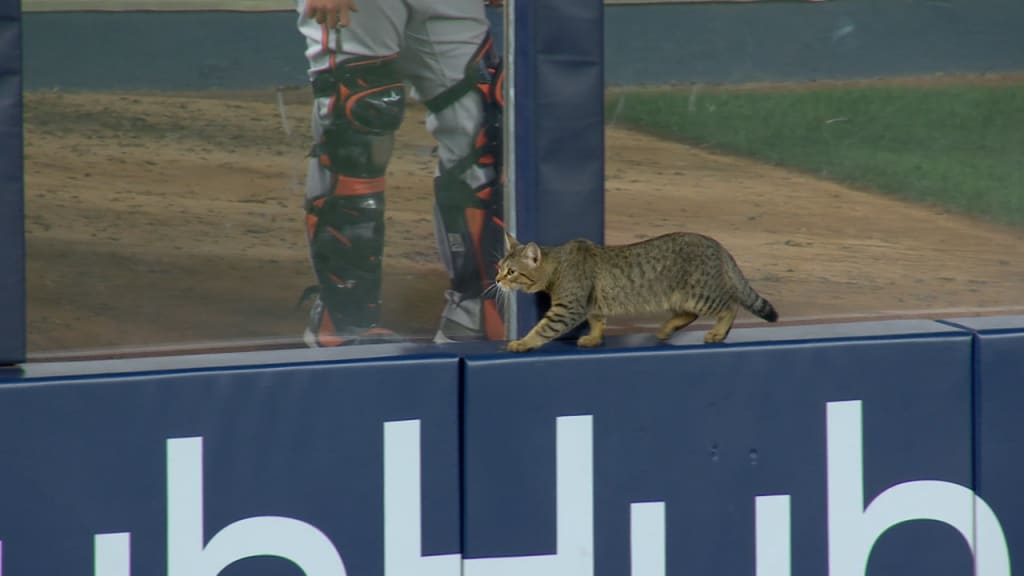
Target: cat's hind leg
<point>722,326</point>
<point>596,334</point>
<point>677,322</point>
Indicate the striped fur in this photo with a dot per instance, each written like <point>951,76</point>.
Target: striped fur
<point>688,275</point>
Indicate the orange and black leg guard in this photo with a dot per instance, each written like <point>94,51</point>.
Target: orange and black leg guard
<point>469,198</point>
<point>345,218</point>
<point>472,236</point>
<point>346,240</point>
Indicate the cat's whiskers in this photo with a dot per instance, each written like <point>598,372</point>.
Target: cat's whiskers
<point>497,292</point>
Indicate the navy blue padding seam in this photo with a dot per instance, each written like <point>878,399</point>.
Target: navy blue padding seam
<point>976,424</point>
<point>461,427</point>
<point>976,416</point>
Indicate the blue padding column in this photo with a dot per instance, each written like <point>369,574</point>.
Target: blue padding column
<point>12,219</point>
<point>999,404</point>
<point>745,458</point>
<point>559,125</point>
<point>194,469</point>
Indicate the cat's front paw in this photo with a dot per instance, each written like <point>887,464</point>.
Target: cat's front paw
<point>589,341</point>
<point>519,346</point>
<point>714,337</point>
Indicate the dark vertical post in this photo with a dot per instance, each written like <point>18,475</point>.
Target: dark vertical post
<point>12,216</point>
<point>559,126</point>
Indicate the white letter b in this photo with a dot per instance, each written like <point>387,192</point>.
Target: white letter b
<point>853,530</point>
<point>288,538</point>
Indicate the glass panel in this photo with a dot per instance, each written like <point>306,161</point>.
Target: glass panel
<point>854,166</point>
<point>166,172</point>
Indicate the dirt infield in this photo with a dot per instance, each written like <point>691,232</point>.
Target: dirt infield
<point>166,220</point>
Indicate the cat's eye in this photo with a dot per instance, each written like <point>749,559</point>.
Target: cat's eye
<point>510,272</point>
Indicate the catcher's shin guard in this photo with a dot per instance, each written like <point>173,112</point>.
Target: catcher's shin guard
<point>469,197</point>
<point>345,224</point>
<point>346,240</point>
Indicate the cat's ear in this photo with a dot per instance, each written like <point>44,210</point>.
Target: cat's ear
<point>532,254</point>
<point>510,243</point>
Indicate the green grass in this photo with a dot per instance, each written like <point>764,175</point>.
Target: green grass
<point>961,147</point>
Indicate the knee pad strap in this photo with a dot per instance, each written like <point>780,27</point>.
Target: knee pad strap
<point>485,74</point>
<point>367,105</point>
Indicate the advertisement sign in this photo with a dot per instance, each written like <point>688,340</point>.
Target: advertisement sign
<point>822,457</point>
<point>231,472</point>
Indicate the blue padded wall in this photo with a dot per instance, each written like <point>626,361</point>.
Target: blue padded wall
<point>752,457</point>
<point>92,455</point>
<point>706,430</point>
<point>12,220</point>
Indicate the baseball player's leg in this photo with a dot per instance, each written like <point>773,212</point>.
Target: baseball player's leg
<point>449,59</point>
<point>358,104</point>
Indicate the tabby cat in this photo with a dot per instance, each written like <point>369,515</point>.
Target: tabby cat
<point>687,274</point>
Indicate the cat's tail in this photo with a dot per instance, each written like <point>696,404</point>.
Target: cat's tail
<point>761,307</point>
<point>748,297</point>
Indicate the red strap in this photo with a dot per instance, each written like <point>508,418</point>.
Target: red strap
<point>348,186</point>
